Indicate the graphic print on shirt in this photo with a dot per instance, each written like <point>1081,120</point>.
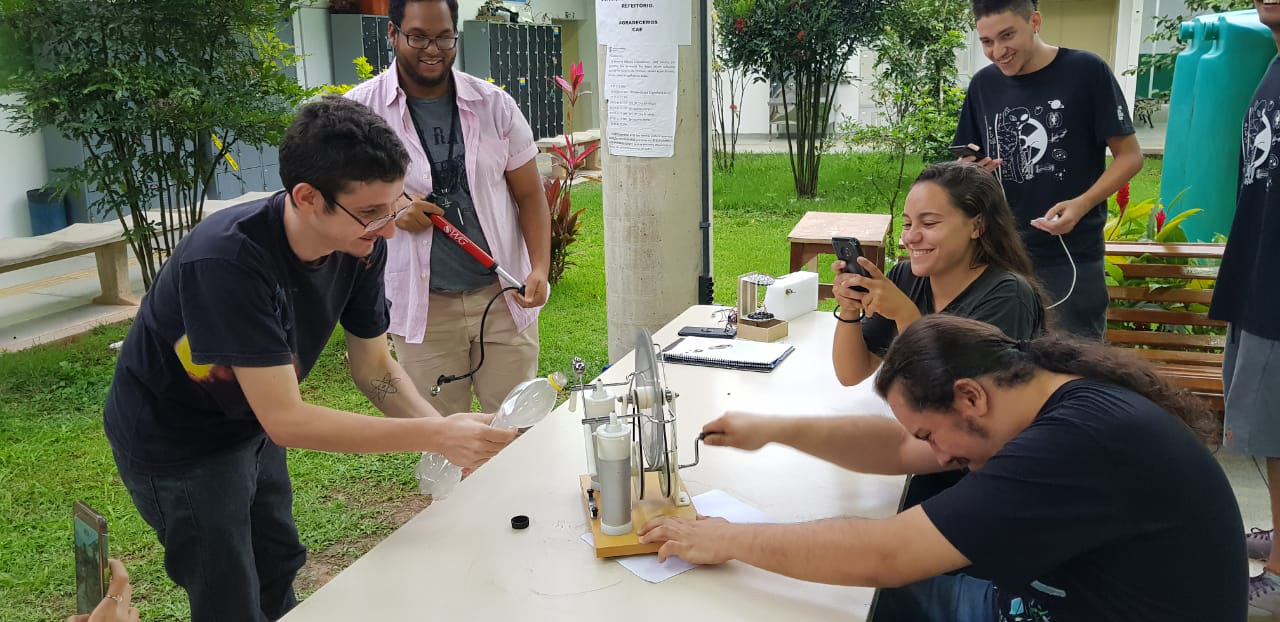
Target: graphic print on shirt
<point>1258,155</point>
<point>213,374</point>
<point>448,173</point>
<point>199,372</point>
<point>1025,139</point>
<point>1018,609</point>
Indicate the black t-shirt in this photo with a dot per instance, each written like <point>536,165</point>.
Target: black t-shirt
<point>1051,128</point>
<point>1246,292</point>
<point>232,294</point>
<point>1105,509</point>
<point>1002,299</point>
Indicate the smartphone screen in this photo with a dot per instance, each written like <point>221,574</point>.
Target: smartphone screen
<point>90,539</point>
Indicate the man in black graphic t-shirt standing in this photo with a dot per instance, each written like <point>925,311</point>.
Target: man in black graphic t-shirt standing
<point>1247,298</point>
<point>1043,117</point>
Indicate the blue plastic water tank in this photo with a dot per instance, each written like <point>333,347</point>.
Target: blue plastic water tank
<point>1213,80</point>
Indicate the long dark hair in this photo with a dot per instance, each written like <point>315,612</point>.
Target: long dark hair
<point>975,191</point>
<point>939,349</point>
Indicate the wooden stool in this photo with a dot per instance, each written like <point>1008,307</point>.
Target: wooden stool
<point>811,237</point>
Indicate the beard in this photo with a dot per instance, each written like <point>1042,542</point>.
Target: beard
<point>425,81</point>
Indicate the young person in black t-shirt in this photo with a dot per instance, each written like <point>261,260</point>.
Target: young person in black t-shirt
<point>1091,496</point>
<point>205,396</point>
<point>966,260</point>
<point>1043,118</point>
<point>1247,298</point>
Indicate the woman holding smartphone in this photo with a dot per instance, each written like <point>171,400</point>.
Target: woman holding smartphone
<point>966,259</point>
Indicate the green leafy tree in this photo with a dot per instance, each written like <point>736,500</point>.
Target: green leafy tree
<point>915,87</point>
<point>157,92</point>
<point>805,44</point>
<point>1167,27</point>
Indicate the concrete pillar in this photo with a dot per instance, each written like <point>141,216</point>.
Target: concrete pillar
<point>653,240</point>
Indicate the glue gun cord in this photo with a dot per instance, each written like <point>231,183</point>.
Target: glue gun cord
<point>484,319</point>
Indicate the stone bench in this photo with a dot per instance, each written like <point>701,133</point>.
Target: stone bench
<point>104,239</point>
<point>582,140</point>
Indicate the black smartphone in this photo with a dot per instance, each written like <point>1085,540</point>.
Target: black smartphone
<point>90,540</point>
<point>961,151</point>
<point>849,250</point>
<point>709,331</point>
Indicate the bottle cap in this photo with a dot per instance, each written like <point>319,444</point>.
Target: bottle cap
<point>519,521</point>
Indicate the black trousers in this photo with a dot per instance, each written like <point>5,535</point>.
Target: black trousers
<point>1084,313</point>
<point>227,528</point>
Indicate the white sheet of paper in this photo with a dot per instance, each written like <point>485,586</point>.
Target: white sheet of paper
<point>643,22</point>
<point>640,87</point>
<point>648,567</point>
<point>724,505</point>
<point>713,503</point>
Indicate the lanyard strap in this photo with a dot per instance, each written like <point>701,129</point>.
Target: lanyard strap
<point>442,189</point>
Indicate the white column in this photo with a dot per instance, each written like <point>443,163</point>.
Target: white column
<point>1128,43</point>
<point>653,211</point>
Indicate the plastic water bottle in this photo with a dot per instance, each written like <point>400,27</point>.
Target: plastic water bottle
<point>528,403</point>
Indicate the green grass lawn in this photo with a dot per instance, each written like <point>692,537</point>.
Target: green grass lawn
<point>52,450</point>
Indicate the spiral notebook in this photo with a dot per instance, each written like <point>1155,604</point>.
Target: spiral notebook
<point>726,353</point>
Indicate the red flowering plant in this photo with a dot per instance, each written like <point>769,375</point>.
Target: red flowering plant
<point>564,219</point>
<point>1150,221</point>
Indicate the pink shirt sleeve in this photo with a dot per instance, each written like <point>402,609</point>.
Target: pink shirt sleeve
<point>520,145</point>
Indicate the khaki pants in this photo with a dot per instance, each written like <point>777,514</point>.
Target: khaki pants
<point>451,346</point>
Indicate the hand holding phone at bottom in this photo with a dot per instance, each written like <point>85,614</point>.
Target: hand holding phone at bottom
<point>883,296</point>
<point>115,606</point>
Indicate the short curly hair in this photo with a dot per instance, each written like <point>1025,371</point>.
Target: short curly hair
<point>335,141</point>
<point>1024,8</point>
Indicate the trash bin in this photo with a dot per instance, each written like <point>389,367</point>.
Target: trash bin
<point>1213,80</point>
<point>48,211</point>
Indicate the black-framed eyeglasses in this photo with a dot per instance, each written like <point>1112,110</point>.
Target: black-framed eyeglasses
<point>422,42</point>
<point>376,223</point>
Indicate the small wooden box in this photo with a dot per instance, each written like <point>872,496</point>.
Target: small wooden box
<point>767,330</point>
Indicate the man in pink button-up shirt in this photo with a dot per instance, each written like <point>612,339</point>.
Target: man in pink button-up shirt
<point>472,150</point>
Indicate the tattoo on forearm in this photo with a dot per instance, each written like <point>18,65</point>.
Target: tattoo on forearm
<point>383,387</point>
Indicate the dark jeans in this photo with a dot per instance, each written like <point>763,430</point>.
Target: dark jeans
<point>945,598</point>
<point>1084,313</point>
<point>227,528</point>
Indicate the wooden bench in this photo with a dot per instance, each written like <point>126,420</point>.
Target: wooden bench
<point>1191,361</point>
<point>104,239</point>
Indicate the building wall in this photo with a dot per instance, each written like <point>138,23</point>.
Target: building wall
<point>755,108</point>
<point>1082,25</point>
<point>21,169</point>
